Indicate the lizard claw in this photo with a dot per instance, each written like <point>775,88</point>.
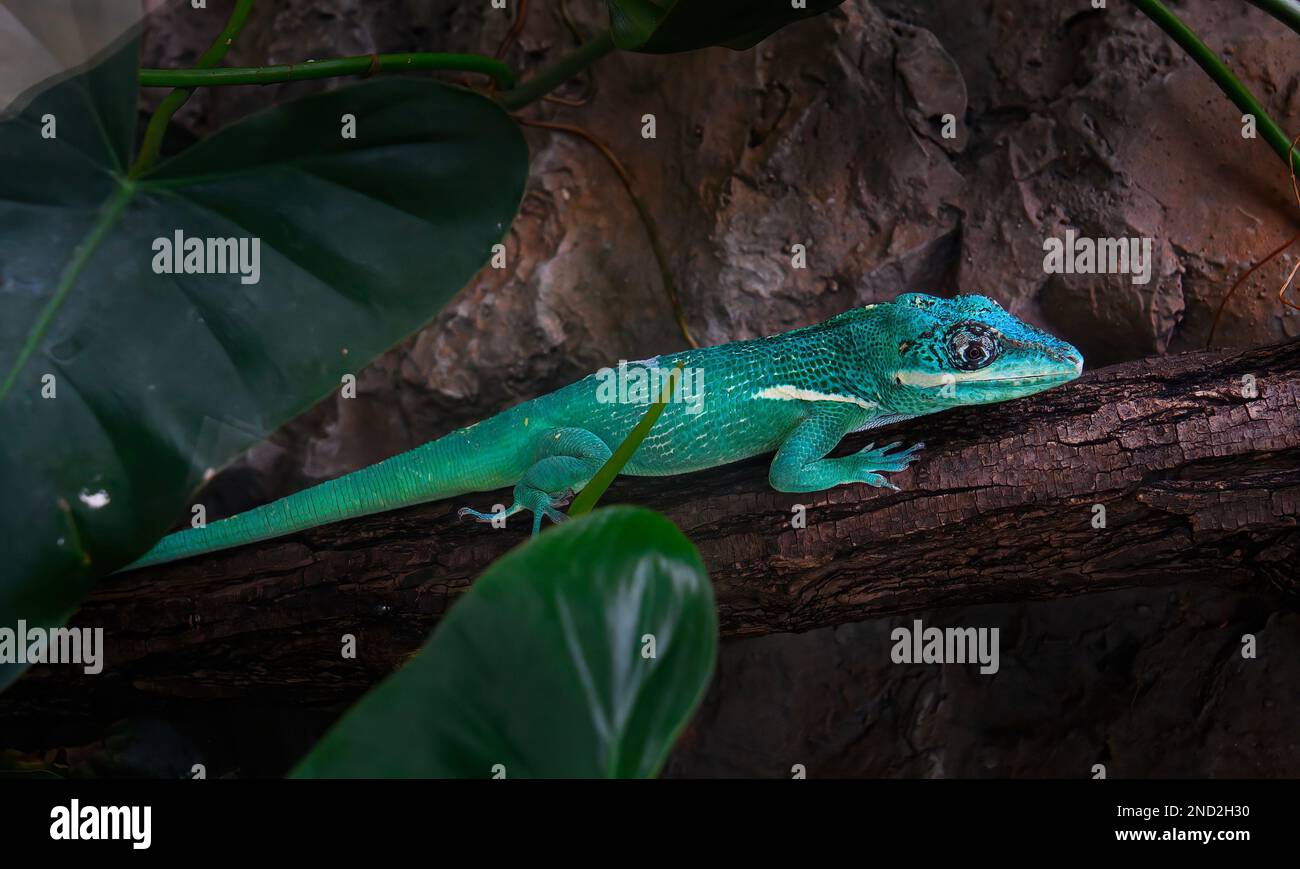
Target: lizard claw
<point>879,482</point>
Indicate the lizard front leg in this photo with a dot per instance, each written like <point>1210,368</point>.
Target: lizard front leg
<point>800,464</point>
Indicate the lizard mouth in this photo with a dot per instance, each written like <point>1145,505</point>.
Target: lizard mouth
<point>1028,378</point>
<point>1061,374</point>
<point>970,379</point>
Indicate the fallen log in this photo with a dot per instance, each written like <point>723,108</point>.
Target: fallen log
<point>1171,470</point>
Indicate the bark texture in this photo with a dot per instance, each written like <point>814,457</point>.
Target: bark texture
<point>1195,460</point>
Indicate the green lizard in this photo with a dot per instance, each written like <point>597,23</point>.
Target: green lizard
<point>797,394</point>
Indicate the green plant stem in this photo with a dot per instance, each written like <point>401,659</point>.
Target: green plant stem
<point>558,73</point>
<point>360,65</point>
<point>225,39</point>
<point>151,145</point>
<point>1286,11</point>
<point>1223,77</point>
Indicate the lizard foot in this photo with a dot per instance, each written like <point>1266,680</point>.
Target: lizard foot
<point>879,482</point>
<point>539,504</point>
<point>487,517</point>
<point>882,459</point>
<point>548,509</point>
<point>870,464</point>
<point>476,515</point>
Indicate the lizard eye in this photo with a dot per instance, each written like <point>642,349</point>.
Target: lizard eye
<point>972,348</point>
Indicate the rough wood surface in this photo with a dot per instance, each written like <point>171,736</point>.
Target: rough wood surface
<point>1199,481</point>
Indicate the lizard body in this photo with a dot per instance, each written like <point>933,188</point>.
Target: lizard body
<point>796,394</point>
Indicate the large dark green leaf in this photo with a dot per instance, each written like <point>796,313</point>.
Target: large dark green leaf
<point>664,26</point>
<point>161,377</point>
<point>540,667</point>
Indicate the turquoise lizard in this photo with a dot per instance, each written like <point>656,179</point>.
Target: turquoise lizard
<point>796,394</point>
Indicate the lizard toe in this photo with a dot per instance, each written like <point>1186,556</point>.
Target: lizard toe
<point>476,515</point>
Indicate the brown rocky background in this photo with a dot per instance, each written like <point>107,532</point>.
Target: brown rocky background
<point>827,134</point>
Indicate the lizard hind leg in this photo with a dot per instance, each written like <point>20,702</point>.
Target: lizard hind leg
<point>566,459</point>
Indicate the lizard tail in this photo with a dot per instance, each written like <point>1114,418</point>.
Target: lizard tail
<point>482,457</point>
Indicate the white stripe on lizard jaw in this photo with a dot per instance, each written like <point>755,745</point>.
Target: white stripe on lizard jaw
<point>786,392</point>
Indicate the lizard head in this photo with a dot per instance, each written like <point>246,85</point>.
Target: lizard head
<point>941,353</point>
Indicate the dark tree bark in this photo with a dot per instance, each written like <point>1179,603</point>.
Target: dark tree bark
<point>1198,475</point>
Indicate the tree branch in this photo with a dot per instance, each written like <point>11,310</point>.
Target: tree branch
<point>1200,484</point>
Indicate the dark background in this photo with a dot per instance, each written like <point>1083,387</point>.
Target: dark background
<point>827,135</point>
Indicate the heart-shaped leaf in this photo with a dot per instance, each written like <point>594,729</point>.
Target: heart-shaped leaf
<point>582,653</point>
<point>665,26</point>
<point>120,387</point>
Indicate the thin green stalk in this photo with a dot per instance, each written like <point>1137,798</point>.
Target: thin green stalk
<point>365,64</point>
<point>591,493</point>
<point>558,73</point>
<point>1286,11</point>
<point>1223,77</point>
<point>225,39</point>
<point>151,145</point>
